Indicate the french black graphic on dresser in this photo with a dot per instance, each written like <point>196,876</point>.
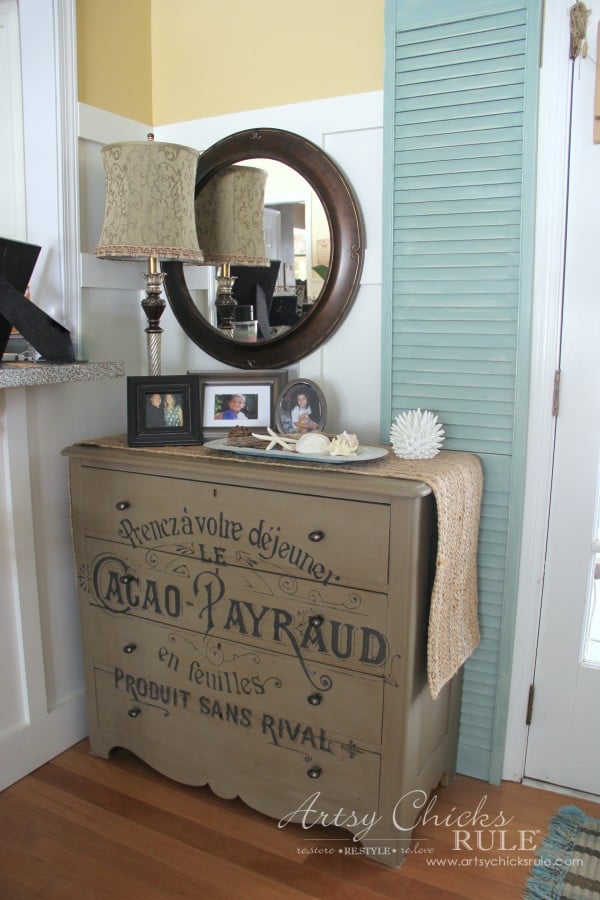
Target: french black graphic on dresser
<point>264,637</point>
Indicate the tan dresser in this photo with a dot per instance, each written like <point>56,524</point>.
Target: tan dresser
<point>262,629</point>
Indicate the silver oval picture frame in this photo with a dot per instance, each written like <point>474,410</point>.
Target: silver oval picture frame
<point>301,407</point>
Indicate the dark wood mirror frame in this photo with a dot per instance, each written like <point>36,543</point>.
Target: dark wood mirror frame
<point>347,252</point>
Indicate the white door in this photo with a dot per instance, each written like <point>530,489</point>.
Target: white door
<point>564,735</point>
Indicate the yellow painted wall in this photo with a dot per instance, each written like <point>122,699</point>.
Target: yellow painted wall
<point>211,57</point>
<point>114,58</point>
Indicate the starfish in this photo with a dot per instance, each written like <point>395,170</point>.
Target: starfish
<point>276,440</point>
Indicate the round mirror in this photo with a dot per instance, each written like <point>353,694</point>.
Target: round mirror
<point>309,308</point>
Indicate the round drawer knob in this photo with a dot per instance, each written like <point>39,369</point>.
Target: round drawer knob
<point>129,648</point>
<point>315,621</point>
<point>314,772</point>
<point>123,504</point>
<point>315,699</point>
<point>134,712</point>
<point>316,536</point>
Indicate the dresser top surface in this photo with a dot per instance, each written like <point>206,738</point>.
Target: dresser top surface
<point>384,475</point>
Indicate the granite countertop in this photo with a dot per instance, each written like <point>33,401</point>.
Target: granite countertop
<point>28,374</point>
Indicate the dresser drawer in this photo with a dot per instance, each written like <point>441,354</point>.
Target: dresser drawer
<point>273,684</point>
<point>271,763</point>
<point>327,540</point>
<point>326,624</point>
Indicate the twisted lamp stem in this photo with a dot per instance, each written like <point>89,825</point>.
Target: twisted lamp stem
<point>153,306</point>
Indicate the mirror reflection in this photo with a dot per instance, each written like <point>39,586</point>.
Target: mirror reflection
<point>271,300</point>
<point>313,223</point>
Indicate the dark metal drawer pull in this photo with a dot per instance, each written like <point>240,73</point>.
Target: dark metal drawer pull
<point>315,699</point>
<point>129,648</point>
<point>315,621</point>
<point>123,504</point>
<point>134,712</point>
<point>316,536</point>
<point>314,772</point>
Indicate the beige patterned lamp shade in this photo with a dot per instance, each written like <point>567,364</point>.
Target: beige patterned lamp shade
<point>149,202</point>
<point>229,217</point>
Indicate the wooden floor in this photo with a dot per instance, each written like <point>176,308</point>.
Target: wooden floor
<point>80,828</point>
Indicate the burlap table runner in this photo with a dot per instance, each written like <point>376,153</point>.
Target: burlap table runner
<point>456,480</point>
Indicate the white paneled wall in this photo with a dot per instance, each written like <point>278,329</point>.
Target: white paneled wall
<point>42,711</point>
<point>347,367</point>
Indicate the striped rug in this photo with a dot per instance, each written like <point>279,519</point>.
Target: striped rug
<point>568,864</point>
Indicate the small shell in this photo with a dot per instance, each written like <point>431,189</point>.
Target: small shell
<point>313,442</point>
<point>344,444</point>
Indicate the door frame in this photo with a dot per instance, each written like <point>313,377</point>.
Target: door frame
<point>44,724</point>
<point>552,179</point>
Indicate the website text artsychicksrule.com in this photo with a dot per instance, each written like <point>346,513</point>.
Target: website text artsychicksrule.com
<point>498,862</point>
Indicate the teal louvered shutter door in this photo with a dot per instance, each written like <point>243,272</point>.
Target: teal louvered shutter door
<point>461,106</point>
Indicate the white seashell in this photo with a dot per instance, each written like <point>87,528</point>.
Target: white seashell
<point>344,444</point>
<point>313,442</point>
<point>416,435</point>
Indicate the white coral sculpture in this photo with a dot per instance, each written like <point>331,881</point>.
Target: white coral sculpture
<point>416,435</point>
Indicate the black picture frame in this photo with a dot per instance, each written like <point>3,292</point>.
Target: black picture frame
<point>315,417</point>
<point>151,424</point>
<point>261,393</point>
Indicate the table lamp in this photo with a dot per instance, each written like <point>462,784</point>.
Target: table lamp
<point>149,214</point>
<point>230,225</point>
